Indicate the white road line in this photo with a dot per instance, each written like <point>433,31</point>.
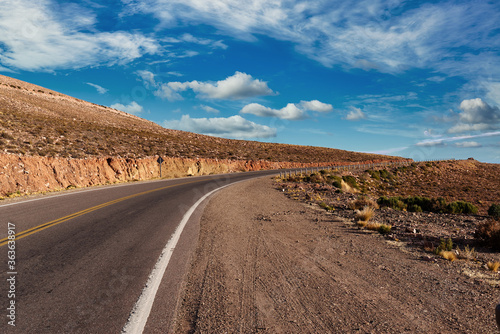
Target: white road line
<point>142,308</point>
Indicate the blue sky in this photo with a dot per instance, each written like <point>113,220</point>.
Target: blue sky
<point>418,79</point>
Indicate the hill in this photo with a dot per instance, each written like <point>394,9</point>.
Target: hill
<point>36,121</point>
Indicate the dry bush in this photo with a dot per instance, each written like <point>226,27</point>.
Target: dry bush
<point>347,188</point>
<point>360,203</point>
<point>373,226</point>
<point>366,214</point>
<point>467,253</point>
<point>493,266</point>
<point>448,255</point>
<point>489,234</point>
<point>362,223</point>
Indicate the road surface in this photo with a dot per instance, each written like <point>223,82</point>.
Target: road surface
<point>82,258</point>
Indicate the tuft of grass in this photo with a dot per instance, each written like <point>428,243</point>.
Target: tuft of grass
<point>467,253</point>
<point>360,203</point>
<point>384,229</point>
<point>366,214</point>
<point>493,266</point>
<point>326,206</point>
<point>362,223</point>
<point>448,255</point>
<point>372,226</point>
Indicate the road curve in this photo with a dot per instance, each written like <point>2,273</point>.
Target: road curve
<point>83,258</point>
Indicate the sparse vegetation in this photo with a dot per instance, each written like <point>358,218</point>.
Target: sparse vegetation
<point>365,214</point>
<point>493,266</point>
<point>467,253</point>
<point>488,234</point>
<point>494,211</point>
<point>419,204</point>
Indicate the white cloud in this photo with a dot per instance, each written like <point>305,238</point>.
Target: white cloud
<point>131,108</point>
<point>147,77</point>
<point>441,140</point>
<point>290,112</point>
<point>385,35</point>
<point>100,89</point>
<point>316,105</point>
<point>355,114</point>
<point>165,92</point>
<point>238,86</point>
<point>230,127</point>
<point>468,144</point>
<point>476,115</point>
<point>209,109</point>
<point>44,35</point>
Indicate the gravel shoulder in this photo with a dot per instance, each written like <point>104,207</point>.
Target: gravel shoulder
<point>268,264</point>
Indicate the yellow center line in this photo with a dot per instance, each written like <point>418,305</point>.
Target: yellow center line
<point>44,226</point>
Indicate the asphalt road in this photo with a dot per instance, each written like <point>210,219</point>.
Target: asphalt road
<point>82,258</point>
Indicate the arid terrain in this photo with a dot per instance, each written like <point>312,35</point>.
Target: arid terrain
<point>41,122</point>
<point>50,141</point>
<point>273,264</point>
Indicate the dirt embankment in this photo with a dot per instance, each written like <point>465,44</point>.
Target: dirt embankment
<point>30,174</point>
<point>270,264</point>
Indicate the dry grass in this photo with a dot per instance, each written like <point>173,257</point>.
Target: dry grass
<point>448,255</point>
<point>366,214</point>
<point>360,203</point>
<point>362,223</point>
<point>467,253</point>
<point>493,266</point>
<point>373,226</point>
<point>347,188</point>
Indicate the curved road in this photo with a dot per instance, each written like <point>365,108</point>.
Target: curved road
<point>82,258</point>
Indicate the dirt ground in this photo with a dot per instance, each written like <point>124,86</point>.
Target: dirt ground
<point>269,264</point>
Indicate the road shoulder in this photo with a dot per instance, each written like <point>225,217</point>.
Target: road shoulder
<point>265,263</point>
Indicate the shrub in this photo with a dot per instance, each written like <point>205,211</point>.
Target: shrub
<point>326,206</point>
<point>373,226</point>
<point>366,214</point>
<point>493,266</point>
<point>392,202</point>
<point>467,253</point>
<point>375,174</point>
<point>444,245</point>
<point>350,180</point>
<point>494,210</point>
<point>461,207</point>
<point>488,234</point>
<point>384,229</point>
<point>448,255</point>
<point>360,203</point>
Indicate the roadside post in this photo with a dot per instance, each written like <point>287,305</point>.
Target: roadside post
<point>160,161</point>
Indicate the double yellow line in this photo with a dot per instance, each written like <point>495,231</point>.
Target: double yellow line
<point>44,226</point>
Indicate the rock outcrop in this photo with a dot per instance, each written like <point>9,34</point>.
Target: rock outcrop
<point>32,174</point>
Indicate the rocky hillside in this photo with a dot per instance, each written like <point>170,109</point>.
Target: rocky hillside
<point>36,121</point>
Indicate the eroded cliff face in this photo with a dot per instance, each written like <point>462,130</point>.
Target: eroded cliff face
<point>32,174</point>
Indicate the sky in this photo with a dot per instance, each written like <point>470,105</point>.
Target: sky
<point>418,79</point>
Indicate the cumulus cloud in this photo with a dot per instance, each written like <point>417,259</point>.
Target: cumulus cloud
<point>476,115</point>
<point>316,105</point>
<point>238,86</point>
<point>355,114</point>
<point>36,37</point>
<point>290,112</point>
<point>230,127</point>
<point>165,92</point>
<point>100,89</point>
<point>131,108</point>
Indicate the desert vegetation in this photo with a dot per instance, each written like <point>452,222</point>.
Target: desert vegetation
<point>430,207</point>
